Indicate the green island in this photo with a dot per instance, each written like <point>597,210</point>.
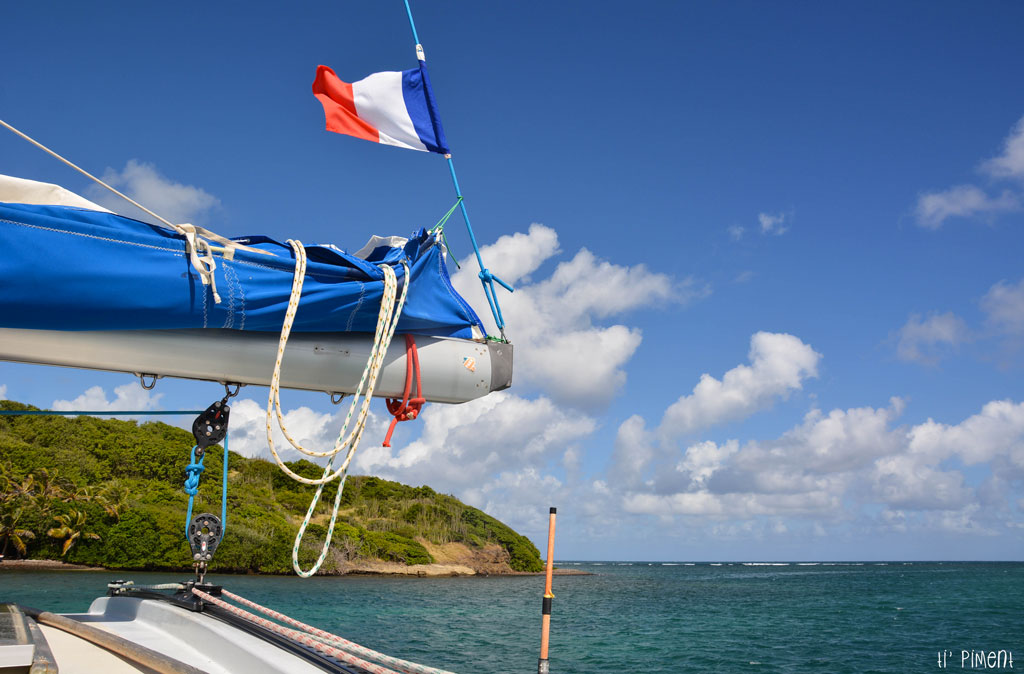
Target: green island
<point>109,493</point>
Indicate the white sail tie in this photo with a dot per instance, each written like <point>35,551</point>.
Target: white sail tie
<point>204,264</point>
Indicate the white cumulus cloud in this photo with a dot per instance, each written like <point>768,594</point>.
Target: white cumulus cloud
<point>827,444</point>
<point>833,466</point>
<point>926,340</point>
<point>126,397</point>
<point>702,460</point>
<point>500,453</point>
<point>635,451</point>
<point>779,364</point>
<point>853,469</point>
<point>1004,306</point>
<point>998,429</point>
<point>142,182</point>
<point>902,482</point>
<point>965,201</point>
<point>522,253</point>
<point>772,224</point>
<point>934,208</point>
<point>559,324</point>
<point>1010,164</point>
<point>465,446</point>
<point>742,506</point>
<point>316,431</point>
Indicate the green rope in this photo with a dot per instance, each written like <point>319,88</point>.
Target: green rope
<point>448,248</point>
<point>444,237</point>
<point>446,216</point>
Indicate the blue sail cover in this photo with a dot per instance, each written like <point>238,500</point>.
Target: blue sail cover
<point>65,268</point>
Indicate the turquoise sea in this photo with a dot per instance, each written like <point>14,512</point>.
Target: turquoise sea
<point>893,617</point>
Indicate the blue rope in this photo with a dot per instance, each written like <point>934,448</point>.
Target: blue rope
<point>193,470</point>
<point>224,490</point>
<point>487,279</point>
<point>408,10</point>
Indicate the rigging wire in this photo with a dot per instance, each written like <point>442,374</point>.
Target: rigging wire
<point>199,250</point>
<point>90,176</point>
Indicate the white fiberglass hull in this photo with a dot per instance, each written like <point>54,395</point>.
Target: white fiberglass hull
<point>451,370</point>
<point>195,640</point>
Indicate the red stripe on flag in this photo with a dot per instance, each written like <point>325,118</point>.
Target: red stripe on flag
<point>339,106</point>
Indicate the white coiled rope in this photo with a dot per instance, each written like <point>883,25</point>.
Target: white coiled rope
<point>387,321</point>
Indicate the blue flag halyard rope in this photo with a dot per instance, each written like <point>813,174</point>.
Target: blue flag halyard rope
<point>487,278</point>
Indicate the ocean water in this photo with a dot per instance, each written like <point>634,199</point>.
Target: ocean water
<point>642,617</point>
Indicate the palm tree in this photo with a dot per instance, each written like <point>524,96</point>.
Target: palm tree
<point>82,494</point>
<point>113,496</point>
<point>72,527</point>
<point>48,486</point>
<point>7,478</point>
<point>26,488</point>
<point>12,533</point>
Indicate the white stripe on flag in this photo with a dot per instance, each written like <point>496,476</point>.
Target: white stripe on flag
<point>379,101</point>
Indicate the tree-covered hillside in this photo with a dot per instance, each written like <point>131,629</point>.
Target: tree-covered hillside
<point>110,493</point>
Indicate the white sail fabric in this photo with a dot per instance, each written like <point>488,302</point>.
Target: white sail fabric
<point>21,191</point>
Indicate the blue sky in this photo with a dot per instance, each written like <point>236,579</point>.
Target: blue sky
<point>818,206</point>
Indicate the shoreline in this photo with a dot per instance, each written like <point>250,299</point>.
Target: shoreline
<point>47,565</point>
<point>368,569</point>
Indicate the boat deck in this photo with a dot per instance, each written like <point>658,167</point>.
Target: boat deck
<point>203,641</point>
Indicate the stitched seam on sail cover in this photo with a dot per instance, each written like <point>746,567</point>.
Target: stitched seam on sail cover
<point>93,236</point>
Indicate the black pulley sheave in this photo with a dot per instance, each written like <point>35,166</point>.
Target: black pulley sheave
<point>211,426</point>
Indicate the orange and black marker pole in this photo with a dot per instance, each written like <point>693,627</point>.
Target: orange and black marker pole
<point>542,664</point>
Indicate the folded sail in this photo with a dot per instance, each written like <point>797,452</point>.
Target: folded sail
<point>70,268</point>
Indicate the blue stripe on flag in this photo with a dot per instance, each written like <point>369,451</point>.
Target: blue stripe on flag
<point>422,107</point>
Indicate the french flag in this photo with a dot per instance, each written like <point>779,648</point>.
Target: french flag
<point>393,108</point>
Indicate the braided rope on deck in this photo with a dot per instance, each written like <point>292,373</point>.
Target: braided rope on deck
<point>325,642</point>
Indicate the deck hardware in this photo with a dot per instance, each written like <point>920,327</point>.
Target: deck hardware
<point>204,534</point>
<point>152,382</point>
<point>211,426</point>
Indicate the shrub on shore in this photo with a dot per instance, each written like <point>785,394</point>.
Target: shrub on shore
<point>125,481</point>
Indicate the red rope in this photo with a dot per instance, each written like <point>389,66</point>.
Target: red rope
<point>345,645</point>
<point>296,635</point>
<point>407,408</point>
